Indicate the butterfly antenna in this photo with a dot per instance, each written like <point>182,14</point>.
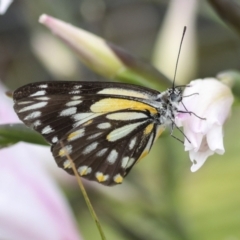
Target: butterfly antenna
<point>174,78</point>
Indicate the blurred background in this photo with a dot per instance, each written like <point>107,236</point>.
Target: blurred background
<point>161,198</point>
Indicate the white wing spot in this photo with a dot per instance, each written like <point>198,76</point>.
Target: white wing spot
<point>124,162</point>
<point>65,150</point>
<point>37,123</point>
<point>112,157</point>
<point>25,102</point>
<point>126,116</point>
<point>38,93</point>
<point>54,139</point>
<point>75,98</point>
<point>81,118</point>
<point>74,92</point>
<point>90,148</point>
<point>132,143</point>
<point>94,136</point>
<point>76,134</point>
<point>104,125</point>
<point>121,132</point>
<point>33,115</point>
<point>149,144</point>
<point>125,92</point>
<point>68,112</point>
<point>34,106</point>
<point>84,170</point>
<point>101,152</point>
<point>118,178</point>
<point>130,162</point>
<point>47,130</point>
<point>67,164</point>
<point>73,103</point>
<point>77,86</point>
<point>101,177</point>
<point>42,98</point>
<point>43,86</point>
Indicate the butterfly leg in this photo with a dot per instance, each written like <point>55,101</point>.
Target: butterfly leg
<point>171,133</point>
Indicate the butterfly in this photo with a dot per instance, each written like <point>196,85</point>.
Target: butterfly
<point>105,127</point>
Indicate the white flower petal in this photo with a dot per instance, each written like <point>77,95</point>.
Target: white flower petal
<point>195,139</point>
<point>215,139</point>
<point>42,153</point>
<point>31,205</point>
<point>199,158</point>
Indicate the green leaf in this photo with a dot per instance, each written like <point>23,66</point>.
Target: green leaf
<point>13,133</point>
<point>137,71</point>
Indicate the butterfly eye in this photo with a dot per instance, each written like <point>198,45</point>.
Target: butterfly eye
<point>175,95</point>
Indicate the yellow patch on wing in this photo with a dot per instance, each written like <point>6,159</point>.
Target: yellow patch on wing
<point>123,92</point>
<point>101,177</point>
<point>75,135</point>
<point>88,122</point>
<point>144,154</point>
<point>67,164</point>
<point>118,178</point>
<point>147,148</point>
<point>71,136</point>
<point>62,152</point>
<point>148,129</point>
<point>159,131</point>
<point>115,104</point>
<point>84,170</point>
<point>65,151</point>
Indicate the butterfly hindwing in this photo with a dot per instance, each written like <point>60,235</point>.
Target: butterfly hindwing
<point>105,149</point>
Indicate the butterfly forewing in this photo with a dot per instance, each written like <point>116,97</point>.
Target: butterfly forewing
<point>105,127</point>
<point>81,88</point>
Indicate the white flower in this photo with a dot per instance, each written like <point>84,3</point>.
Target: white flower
<point>41,154</point>
<point>31,205</point>
<point>211,100</point>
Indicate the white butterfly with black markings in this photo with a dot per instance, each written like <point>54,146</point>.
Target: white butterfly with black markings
<point>104,127</point>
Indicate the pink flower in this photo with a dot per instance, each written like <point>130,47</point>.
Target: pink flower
<point>42,154</point>
<point>211,100</point>
<point>31,205</point>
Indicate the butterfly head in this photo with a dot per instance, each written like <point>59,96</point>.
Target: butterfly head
<point>174,95</point>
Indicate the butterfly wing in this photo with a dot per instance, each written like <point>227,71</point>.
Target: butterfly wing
<point>82,88</point>
<point>73,111</point>
<point>106,148</point>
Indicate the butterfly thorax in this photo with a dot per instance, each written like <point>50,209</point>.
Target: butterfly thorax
<point>168,110</point>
